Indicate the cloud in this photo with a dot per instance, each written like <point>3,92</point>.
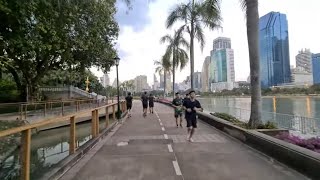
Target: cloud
<point>142,28</point>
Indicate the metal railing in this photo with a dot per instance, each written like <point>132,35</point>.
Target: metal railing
<point>26,131</point>
<point>67,89</point>
<point>304,125</point>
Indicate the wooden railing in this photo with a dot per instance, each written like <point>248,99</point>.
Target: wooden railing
<point>26,131</point>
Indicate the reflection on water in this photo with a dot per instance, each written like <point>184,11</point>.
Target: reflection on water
<point>295,113</point>
<point>47,149</point>
<point>299,106</point>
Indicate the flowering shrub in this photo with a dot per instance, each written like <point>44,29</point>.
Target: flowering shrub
<point>311,143</point>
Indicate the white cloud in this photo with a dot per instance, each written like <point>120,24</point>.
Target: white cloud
<point>142,47</point>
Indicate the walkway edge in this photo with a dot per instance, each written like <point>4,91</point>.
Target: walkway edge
<point>88,149</point>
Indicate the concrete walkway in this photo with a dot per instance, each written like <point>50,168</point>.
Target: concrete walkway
<point>154,148</point>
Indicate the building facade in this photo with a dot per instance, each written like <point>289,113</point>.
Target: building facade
<point>105,80</point>
<point>274,50</point>
<point>205,73</point>
<point>304,60</point>
<point>299,75</point>
<point>222,63</point>
<point>316,68</point>
<point>141,83</point>
<point>197,80</point>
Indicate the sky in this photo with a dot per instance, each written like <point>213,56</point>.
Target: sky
<point>142,27</point>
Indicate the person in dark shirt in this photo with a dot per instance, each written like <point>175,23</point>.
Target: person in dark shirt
<point>177,104</point>
<point>151,103</point>
<point>144,99</point>
<point>129,103</point>
<point>192,106</point>
<point>187,97</point>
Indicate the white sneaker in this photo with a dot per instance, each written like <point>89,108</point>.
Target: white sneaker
<point>191,140</point>
<point>188,137</point>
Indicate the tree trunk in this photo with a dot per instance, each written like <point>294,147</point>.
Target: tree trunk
<point>192,55</point>
<point>253,43</point>
<point>173,72</point>
<point>164,83</point>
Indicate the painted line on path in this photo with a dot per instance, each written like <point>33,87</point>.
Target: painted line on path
<point>176,168</point>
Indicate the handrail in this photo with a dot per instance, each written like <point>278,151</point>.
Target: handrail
<point>26,131</point>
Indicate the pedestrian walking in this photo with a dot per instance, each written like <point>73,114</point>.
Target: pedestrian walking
<point>144,99</point>
<point>177,104</point>
<point>192,106</point>
<point>151,103</point>
<point>129,103</point>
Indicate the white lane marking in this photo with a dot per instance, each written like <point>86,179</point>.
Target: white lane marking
<point>166,136</point>
<point>176,168</point>
<point>163,129</point>
<point>170,148</point>
<point>161,124</point>
<point>122,144</point>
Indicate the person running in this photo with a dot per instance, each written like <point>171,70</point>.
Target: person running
<point>177,104</point>
<point>151,103</point>
<point>186,98</point>
<point>144,99</point>
<point>129,103</point>
<point>192,106</point>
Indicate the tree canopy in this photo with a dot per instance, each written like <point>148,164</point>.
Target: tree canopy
<point>37,36</point>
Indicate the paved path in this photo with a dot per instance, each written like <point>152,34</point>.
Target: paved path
<point>153,148</point>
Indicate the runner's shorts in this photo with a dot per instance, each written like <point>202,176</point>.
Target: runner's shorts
<point>191,122</point>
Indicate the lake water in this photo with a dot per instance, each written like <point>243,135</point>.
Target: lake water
<point>294,113</point>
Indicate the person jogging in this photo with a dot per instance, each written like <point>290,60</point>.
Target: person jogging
<point>151,103</point>
<point>144,99</point>
<point>177,104</point>
<point>192,106</point>
<point>129,104</point>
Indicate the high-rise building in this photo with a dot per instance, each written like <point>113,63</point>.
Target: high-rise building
<point>274,50</point>
<point>168,82</point>
<point>205,74</point>
<point>161,80</point>
<point>156,84</point>
<point>141,83</point>
<point>299,76</point>
<point>105,80</point>
<point>197,80</point>
<point>304,60</point>
<point>222,64</point>
<point>316,68</point>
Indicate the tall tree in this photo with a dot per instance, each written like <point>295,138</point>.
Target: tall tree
<point>163,67</point>
<point>174,51</point>
<point>252,16</point>
<point>195,16</point>
<point>43,35</point>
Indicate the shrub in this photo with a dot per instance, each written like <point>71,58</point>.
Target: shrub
<point>227,117</point>
<point>268,125</point>
<point>311,143</point>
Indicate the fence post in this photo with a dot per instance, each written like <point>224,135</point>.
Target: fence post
<point>21,110</point>
<point>114,112</point>
<point>45,109</point>
<point>93,124</point>
<point>25,113</point>
<point>62,108</point>
<point>107,116</point>
<point>26,143</point>
<point>97,122</point>
<point>72,143</point>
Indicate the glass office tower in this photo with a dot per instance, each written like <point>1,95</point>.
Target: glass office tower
<point>274,50</point>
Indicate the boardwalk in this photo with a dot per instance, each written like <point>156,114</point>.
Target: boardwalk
<point>153,148</point>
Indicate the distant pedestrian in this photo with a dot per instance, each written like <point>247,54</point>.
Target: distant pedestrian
<point>129,103</point>
<point>151,103</point>
<point>144,99</point>
<point>177,103</point>
<point>192,106</point>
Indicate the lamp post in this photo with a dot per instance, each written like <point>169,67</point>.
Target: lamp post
<point>117,59</point>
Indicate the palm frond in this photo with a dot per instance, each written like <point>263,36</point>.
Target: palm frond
<point>183,58</point>
<point>177,13</point>
<point>199,35</point>
<point>166,38</point>
<point>243,5</point>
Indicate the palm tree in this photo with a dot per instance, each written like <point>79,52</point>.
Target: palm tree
<point>252,15</point>
<point>178,55</point>
<point>163,66</point>
<point>195,16</point>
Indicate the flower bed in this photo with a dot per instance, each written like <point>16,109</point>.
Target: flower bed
<point>311,143</point>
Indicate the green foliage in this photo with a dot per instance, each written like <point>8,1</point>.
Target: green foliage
<point>8,91</point>
<point>235,121</point>
<point>38,36</point>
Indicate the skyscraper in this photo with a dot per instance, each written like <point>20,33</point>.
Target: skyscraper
<point>316,68</point>
<point>222,75</point>
<point>105,80</point>
<point>197,80</point>
<point>205,73</point>
<point>304,60</point>
<point>141,83</point>
<point>274,50</point>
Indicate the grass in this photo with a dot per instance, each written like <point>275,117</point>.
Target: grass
<point>237,122</point>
